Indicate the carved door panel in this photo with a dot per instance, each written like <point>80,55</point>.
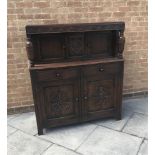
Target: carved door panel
<point>61,101</point>
<point>99,96</point>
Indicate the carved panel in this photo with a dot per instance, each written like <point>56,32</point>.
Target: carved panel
<point>100,95</point>
<point>59,101</point>
<point>75,44</point>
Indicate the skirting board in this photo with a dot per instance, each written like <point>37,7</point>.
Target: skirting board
<point>30,108</point>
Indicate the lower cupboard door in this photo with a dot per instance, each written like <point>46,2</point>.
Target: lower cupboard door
<point>60,101</point>
<point>99,98</point>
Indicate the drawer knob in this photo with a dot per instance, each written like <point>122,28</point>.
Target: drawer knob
<point>85,98</point>
<point>57,74</point>
<point>76,99</point>
<point>101,69</point>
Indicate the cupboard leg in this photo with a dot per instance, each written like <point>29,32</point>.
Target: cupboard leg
<point>118,116</point>
<point>40,131</point>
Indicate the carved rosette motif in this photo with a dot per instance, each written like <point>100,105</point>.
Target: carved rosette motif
<point>76,45</point>
<point>60,104</point>
<point>101,96</point>
<point>121,43</point>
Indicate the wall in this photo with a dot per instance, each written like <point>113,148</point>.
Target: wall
<point>23,12</point>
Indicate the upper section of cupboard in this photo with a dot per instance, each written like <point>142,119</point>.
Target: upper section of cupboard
<point>68,42</point>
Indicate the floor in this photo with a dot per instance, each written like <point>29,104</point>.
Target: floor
<point>128,136</point>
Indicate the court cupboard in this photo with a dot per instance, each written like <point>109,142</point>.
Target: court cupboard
<point>76,71</point>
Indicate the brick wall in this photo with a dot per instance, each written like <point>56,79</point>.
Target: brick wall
<point>23,12</point>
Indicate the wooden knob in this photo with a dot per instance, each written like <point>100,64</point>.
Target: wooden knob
<point>101,69</point>
<point>28,43</point>
<point>85,97</point>
<point>57,74</point>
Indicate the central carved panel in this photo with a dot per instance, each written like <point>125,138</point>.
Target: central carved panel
<point>76,44</point>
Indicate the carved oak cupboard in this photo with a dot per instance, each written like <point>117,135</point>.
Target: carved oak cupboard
<point>76,72</point>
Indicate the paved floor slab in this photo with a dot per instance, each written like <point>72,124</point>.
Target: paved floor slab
<point>104,141</point>
<point>137,125</point>
<point>115,124</point>
<point>136,105</point>
<point>70,136</point>
<point>58,150</point>
<point>85,138</point>
<point>10,130</point>
<point>144,148</point>
<point>25,122</point>
<point>10,117</point>
<point>20,143</point>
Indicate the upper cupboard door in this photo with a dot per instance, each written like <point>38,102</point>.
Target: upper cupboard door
<point>101,43</point>
<point>49,47</point>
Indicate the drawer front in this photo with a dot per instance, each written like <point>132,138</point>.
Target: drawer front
<point>57,74</point>
<point>99,69</point>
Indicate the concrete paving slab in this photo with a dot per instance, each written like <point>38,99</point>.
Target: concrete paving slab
<point>116,124</point>
<point>25,122</point>
<point>10,117</point>
<point>104,141</point>
<point>86,138</point>
<point>139,105</point>
<point>137,125</point>
<point>10,130</point>
<point>20,143</point>
<point>59,150</point>
<point>144,148</point>
<point>69,136</point>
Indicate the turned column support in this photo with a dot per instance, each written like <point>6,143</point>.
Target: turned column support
<point>29,49</point>
<point>121,42</point>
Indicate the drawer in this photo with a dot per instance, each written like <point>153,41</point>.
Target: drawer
<point>56,74</point>
<point>105,68</point>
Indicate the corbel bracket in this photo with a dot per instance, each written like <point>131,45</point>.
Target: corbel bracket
<point>29,49</point>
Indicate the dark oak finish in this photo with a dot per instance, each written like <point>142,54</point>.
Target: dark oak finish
<point>76,72</point>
